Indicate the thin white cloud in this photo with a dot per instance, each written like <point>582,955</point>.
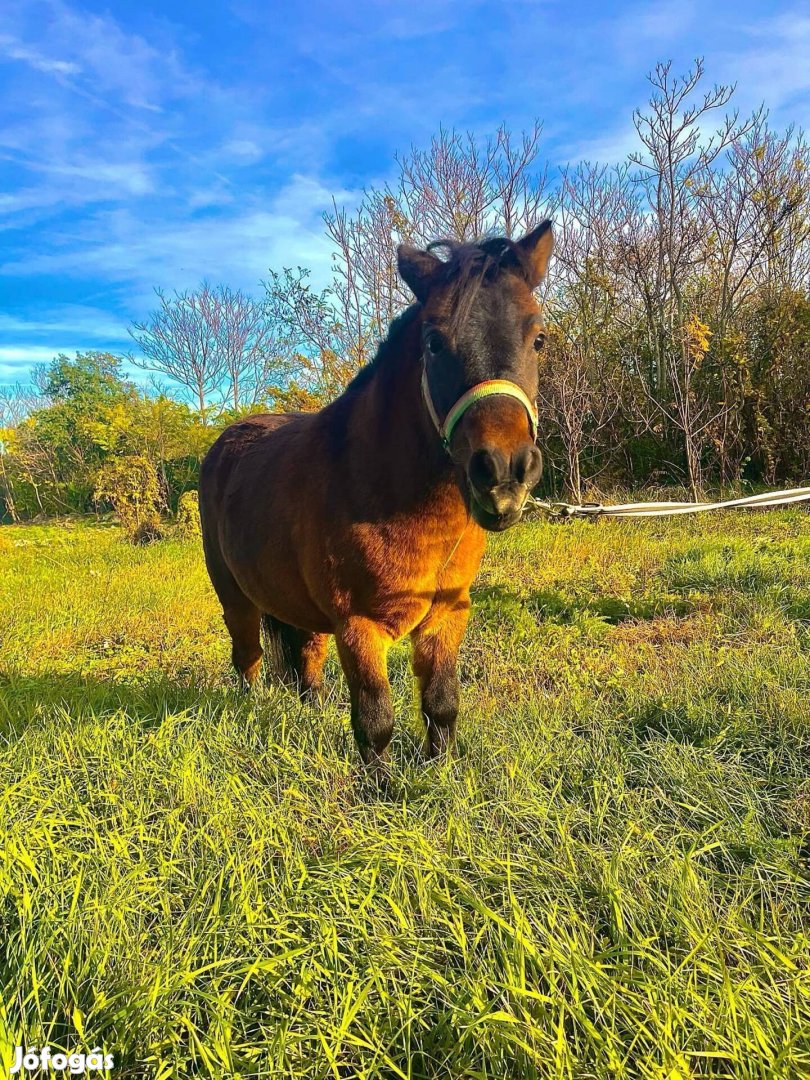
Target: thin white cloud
<point>16,361</point>
<point>236,247</point>
<point>19,354</point>
<point>611,148</point>
<point>768,65</point>
<point>47,64</point>
<point>659,24</point>
<point>106,178</point>
<point>94,52</point>
<point>243,150</point>
<point>66,328</point>
<point>774,68</point>
<point>76,321</point>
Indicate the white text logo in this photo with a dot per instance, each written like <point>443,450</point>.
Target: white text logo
<point>29,1059</point>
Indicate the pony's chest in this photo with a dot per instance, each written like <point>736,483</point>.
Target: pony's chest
<point>398,574</point>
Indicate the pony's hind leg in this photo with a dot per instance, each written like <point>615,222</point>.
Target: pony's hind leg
<point>244,625</point>
<point>310,669</point>
<point>298,655</point>
<point>241,615</point>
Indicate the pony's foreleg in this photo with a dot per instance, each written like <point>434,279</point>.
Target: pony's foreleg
<point>363,650</point>
<point>435,654</point>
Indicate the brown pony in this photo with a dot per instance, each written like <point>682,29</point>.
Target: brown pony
<point>367,519</point>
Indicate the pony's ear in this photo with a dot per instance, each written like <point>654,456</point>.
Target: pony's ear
<point>536,247</point>
<point>417,269</point>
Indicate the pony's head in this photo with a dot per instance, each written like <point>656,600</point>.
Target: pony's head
<point>481,328</point>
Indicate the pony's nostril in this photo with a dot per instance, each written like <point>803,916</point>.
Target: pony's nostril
<point>527,466</point>
<point>487,468</point>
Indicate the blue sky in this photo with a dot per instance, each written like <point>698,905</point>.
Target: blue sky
<point>146,144</point>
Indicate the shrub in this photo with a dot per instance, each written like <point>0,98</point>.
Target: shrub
<point>188,515</point>
<point>130,485</point>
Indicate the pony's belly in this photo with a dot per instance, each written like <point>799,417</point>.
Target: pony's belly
<point>265,561</point>
<point>276,588</point>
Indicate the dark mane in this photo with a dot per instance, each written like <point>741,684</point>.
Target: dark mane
<point>465,268</point>
<point>399,324</point>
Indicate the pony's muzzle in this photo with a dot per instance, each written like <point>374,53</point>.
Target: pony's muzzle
<point>508,498</point>
<point>500,485</point>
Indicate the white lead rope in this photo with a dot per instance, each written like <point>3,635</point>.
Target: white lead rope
<point>663,509</point>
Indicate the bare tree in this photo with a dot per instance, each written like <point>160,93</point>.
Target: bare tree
<point>365,276</point>
<point>324,354</point>
<point>255,350</point>
<point>577,404</point>
<point>670,170</point>
<point>580,375</point>
<point>181,341</point>
<point>17,401</point>
<point>21,459</point>
<point>747,205</point>
<point>462,187</point>
<point>216,343</point>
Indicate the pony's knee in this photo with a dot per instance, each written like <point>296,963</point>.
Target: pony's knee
<point>440,700</point>
<point>363,650</point>
<point>440,697</point>
<point>246,651</point>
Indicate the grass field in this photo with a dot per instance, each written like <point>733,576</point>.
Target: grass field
<point>612,880</point>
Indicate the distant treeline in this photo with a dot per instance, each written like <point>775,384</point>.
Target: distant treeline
<point>678,306</point>
<point>83,415</point>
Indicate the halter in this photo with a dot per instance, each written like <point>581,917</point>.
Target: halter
<point>501,387</point>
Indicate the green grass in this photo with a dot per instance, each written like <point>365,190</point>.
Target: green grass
<point>612,880</point>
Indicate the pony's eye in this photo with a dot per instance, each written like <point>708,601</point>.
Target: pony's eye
<point>539,342</point>
<point>434,343</point>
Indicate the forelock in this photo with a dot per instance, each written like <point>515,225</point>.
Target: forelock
<point>467,267</point>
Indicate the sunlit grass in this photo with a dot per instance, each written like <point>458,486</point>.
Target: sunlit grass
<point>612,880</point>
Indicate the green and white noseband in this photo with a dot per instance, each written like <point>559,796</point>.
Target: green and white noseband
<point>489,388</point>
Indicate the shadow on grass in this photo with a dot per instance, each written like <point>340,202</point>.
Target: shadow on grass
<point>799,609</point>
<point>23,696</point>
<point>306,727</point>
<point>675,722</point>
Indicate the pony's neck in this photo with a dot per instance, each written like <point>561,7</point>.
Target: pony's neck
<point>411,468</point>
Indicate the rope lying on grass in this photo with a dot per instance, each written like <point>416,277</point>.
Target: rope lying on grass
<point>663,509</point>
